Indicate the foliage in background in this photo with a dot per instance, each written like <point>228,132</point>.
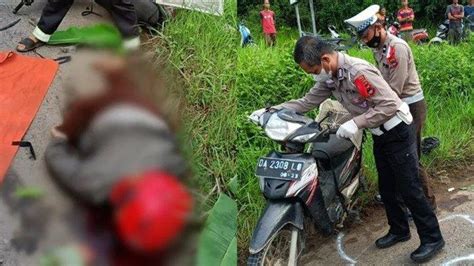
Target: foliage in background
<point>270,76</point>
<point>428,12</point>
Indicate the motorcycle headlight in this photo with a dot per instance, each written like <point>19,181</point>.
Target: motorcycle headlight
<point>278,129</point>
<point>304,138</point>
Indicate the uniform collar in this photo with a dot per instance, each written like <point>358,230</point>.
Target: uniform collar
<point>341,61</point>
<point>387,42</point>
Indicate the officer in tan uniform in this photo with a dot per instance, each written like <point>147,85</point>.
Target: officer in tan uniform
<point>361,89</point>
<point>395,61</point>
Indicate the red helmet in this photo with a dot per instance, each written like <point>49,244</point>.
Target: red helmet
<point>150,210</point>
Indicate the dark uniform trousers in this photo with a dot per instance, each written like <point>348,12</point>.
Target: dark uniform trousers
<point>122,12</point>
<point>397,165</point>
<point>418,110</point>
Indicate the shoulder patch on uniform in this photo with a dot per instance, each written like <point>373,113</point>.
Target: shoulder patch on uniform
<point>392,59</point>
<point>364,87</point>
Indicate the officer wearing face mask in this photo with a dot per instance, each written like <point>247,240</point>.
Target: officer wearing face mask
<point>361,89</point>
<point>395,61</point>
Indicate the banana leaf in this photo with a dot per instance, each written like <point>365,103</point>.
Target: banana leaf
<point>218,241</point>
<point>100,36</point>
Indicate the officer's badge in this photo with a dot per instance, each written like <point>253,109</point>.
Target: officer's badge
<point>391,57</point>
<point>364,87</point>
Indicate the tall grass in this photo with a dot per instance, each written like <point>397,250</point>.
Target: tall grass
<point>201,52</point>
<point>269,76</point>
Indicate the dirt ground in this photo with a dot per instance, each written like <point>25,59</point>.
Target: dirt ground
<point>355,243</point>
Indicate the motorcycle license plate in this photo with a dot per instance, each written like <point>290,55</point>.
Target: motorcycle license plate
<point>284,169</point>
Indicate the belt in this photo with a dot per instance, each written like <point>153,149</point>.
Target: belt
<point>391,123</point>
<point>414,98</point>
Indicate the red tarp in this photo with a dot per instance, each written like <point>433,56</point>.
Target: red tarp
<point>24,81</point>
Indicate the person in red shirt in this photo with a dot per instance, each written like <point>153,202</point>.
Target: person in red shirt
<point>405,17</point>
<point>455,14</point>
<point>267,17</point>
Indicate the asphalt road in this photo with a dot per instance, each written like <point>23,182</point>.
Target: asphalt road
<point>29,229</point>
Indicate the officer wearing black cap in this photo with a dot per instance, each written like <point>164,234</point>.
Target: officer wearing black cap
<point>397,159</point>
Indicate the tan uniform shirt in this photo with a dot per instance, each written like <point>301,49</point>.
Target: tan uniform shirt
<point>397,65</point>
<point>359,87</point>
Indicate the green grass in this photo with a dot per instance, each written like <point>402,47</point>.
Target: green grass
<point>200,50</point>
<point>269,76</point>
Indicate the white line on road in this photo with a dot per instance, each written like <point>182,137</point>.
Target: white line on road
<point>340,250</point>
<point>459,259</point>
<point>344,256</point>
<point>463,216</point>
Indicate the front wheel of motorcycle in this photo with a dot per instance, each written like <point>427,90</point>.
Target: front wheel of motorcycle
<point>285,248</point>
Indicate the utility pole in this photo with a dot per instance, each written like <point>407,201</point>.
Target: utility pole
<point>298,19</point>
<point>313,16</point>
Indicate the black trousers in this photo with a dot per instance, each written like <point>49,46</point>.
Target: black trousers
<point>418,110</point>
<point>122,12</point>
<point>397,165</point>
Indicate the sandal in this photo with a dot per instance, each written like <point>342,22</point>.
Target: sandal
<point>29,44</point>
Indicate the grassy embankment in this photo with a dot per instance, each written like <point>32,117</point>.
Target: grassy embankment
<point>200,51</point>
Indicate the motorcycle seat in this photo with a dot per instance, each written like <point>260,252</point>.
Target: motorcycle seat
<point>292,116</point>
<point>332,147</point>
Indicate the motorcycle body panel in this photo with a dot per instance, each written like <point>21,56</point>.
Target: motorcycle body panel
<point>275,216</point>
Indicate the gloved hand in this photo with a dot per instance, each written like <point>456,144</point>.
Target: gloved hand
<point>404,113</point>
<point>347,130</point>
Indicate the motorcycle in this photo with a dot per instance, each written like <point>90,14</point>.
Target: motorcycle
<point>441,33</point>
<point>418,36</point>
<point>340,44</point>
<point>443,29</point>
<point>312,183</point>
<point>245,36</point>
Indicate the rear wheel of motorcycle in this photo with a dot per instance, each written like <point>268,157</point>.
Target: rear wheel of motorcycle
<point>285,248</point>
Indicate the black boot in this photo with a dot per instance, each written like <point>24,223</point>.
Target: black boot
<point>426,251</point>
<point>390,239</point>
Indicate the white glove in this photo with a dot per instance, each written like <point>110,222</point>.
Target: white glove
<point>347,130</point>
<point>255,116</point>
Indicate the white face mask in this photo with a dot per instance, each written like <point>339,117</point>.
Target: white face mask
<point>323,76</point>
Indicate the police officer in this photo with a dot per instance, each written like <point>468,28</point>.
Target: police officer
<point>361,89</point>
<point>394,59</point>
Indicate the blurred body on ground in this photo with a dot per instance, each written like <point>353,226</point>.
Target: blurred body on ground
<point>116,154</point>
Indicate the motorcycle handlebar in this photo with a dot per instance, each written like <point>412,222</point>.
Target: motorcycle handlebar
<point>329,131</point>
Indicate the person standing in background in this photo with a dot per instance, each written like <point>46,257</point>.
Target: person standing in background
<point>382,16</point>
<point>267,17</point>
<point>405,17</point>
<point>455,14</point>
<point>469,9</point>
